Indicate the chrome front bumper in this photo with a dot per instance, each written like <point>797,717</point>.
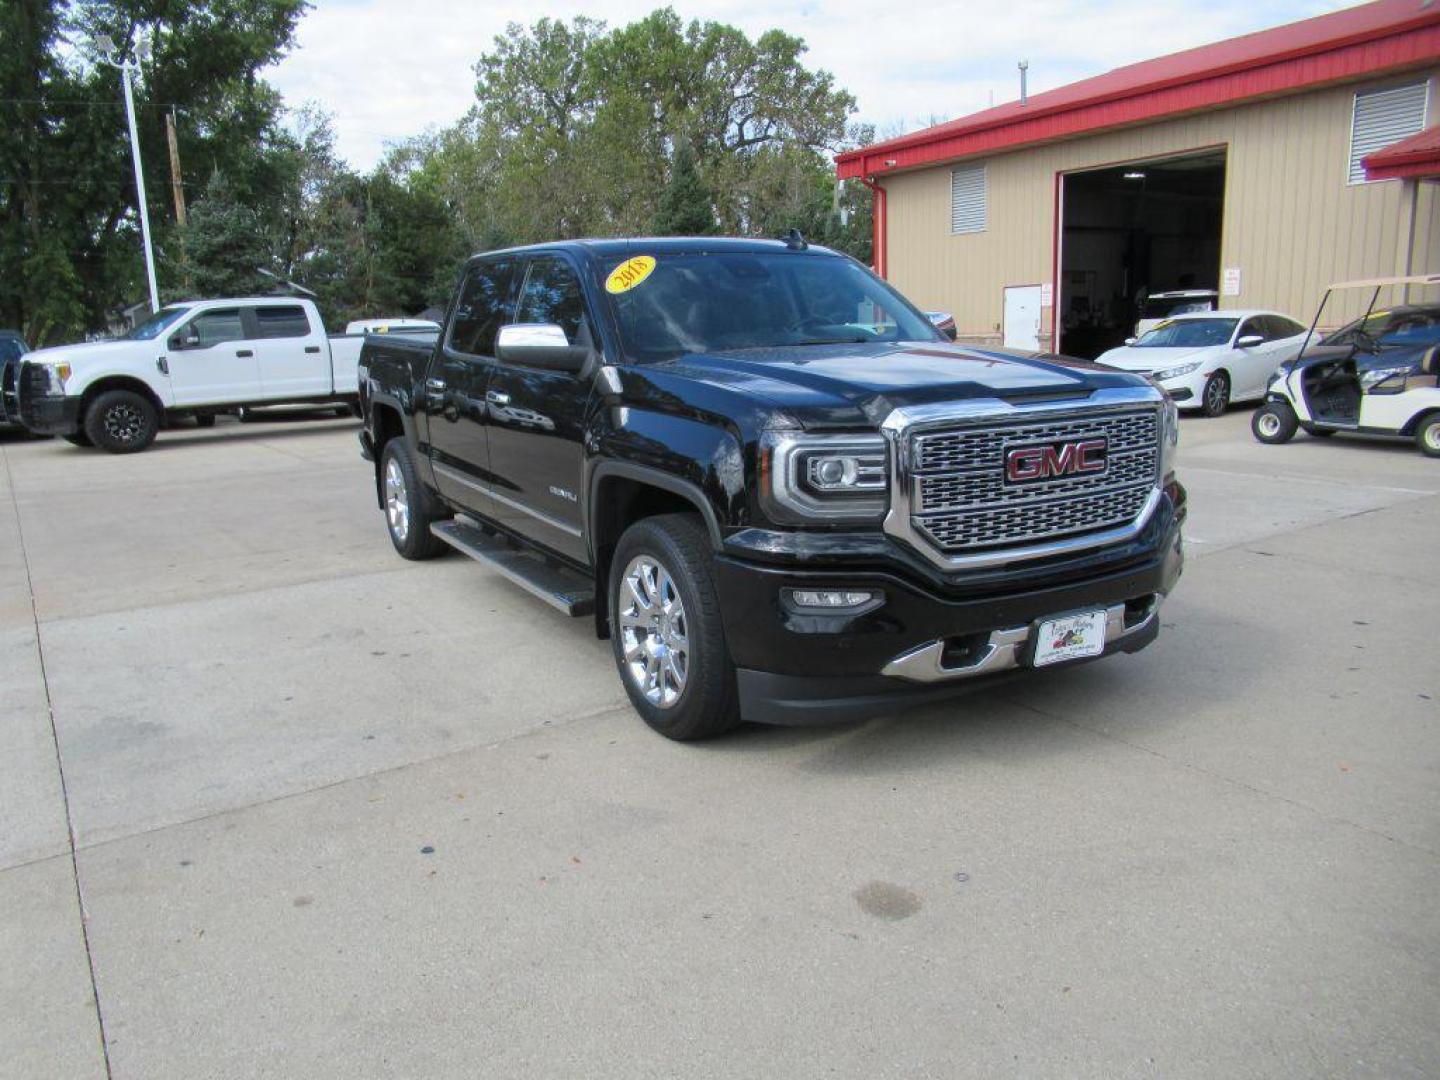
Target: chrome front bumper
<point>1005,649</point>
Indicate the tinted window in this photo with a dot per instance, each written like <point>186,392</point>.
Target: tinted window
<point>281,322</point>
<point>709,302</point>
<point>551,294</point>
<point>482,308</point>
<point>1281,327</point>
<point>215,327</point>
<point>1191,333</point>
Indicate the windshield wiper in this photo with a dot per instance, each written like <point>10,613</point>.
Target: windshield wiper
<point>825,341</point>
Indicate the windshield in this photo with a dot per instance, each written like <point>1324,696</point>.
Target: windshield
<point>1188,334</point>
<point>154,326</point>
<point>1392,329</point>
<point>709,302</point>
<point>1163,308</point>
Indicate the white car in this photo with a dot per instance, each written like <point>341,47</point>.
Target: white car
<point>391,326</point>
<point>1206,359</point>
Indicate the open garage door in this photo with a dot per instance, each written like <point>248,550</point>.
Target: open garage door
<point>1129,232</point>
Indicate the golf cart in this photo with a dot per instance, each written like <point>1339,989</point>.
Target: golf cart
<point>1344,382</point>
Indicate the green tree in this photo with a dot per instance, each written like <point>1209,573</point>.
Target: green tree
<point>686,205</point>
<point>226,246</point>
<point>67,198</point>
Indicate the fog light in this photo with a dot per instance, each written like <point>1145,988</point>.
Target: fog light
<point>833,600</point>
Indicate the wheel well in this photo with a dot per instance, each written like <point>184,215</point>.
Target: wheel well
<point>385,424</point>
<point>620,502</point>
<point>119,382</point>
<point>1415,421</point>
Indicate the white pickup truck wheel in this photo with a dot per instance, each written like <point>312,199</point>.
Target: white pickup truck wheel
<point>1427,435</point>
<point>122,422</point>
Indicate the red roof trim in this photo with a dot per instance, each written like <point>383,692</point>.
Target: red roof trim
<point>1417,156</point>
<point>1388,36</point>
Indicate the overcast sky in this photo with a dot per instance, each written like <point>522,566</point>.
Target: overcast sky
<point>388,69</point>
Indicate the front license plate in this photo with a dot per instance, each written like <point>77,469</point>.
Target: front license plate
<point>1070,638</point>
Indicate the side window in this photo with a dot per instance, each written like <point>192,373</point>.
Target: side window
<point>551,294</point>
<point>482,308</point>
<point>281,321</point>
<point>1282,327</point>
<point>214,328</point>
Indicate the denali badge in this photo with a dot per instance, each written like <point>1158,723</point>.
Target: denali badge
<point>1024,464</point>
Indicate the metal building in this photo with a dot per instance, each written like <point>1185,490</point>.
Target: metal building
<point>1263,168</point>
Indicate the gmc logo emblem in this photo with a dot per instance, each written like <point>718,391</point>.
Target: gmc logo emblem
<point>1025,464</point>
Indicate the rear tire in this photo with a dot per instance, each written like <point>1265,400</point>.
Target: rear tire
<point>1215,397</point>
<point>122,422</point>
<point>1427,435</point>
<point>1274,422</point>
<point>409,509</point>
<point>665,629</point>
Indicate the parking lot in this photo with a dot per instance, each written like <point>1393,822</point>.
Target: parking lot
<point>335,814</point>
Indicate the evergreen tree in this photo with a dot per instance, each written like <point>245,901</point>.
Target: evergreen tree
<point>686,205</point>
<point>226,245</point>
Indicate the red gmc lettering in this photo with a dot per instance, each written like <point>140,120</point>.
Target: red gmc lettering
<point>1066,459</point>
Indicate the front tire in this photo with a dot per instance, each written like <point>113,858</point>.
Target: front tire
<point>1427,435</point>
<point>1274,422</point>
<point>665,629</point>
<point>408,509</point>
<point>122,422</point>
<point>1215,397</point>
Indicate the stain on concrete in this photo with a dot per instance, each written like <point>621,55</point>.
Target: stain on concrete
<point>885,901</point>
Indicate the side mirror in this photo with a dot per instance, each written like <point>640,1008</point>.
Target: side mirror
<point>1249,341</point>
<point>189,338</point>
<point>539,345</point>
<point>1131,340</point>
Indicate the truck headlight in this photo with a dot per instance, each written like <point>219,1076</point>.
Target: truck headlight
<point>1174,372</point>
<point>808,478</point>
<point>1169,440</point>
<point>57,374</point>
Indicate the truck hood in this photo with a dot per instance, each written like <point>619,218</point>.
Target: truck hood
<point>78,354</point>
<point>1149,359</point>
<point>853,384</point>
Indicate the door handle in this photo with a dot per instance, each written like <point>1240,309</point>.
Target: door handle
<point>244,352</point>
<point>312,348</point>
<point>435,385</point>
<point>496,398</point>
<point>161,365</point>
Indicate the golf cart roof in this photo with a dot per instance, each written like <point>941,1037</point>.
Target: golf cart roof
<point>1374,283</point>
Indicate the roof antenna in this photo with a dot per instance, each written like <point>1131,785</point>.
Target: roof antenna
<point>1024,67</point>
<point>795,240</point>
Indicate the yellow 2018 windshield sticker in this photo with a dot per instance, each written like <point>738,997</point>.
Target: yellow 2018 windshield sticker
<point>629,273</point>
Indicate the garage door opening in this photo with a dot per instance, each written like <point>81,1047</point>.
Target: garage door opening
<point>1131,231</point>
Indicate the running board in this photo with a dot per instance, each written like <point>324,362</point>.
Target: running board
<point>562,589</point>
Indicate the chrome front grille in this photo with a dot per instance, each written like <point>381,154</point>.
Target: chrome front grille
<point>961,502</point>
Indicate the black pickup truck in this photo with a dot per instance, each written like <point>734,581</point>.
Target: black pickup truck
<point>780,491</point>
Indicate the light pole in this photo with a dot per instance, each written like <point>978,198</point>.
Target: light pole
<point>110,55</point>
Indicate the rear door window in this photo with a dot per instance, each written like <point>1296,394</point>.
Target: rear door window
<point>281,321</point>
<point>483,307</point>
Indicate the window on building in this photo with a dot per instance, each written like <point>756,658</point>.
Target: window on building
<point>968,199</point>
<point>1382,117</point>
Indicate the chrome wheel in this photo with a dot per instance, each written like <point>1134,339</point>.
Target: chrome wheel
<point>124,422</point>
<point>397,501</point>
<point>1217,395</point>
<point>1268,424</point>
<point>654,635</point>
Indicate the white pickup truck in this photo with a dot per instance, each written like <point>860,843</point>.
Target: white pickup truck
<point>195,359</point>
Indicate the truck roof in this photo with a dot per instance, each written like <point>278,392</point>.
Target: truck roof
<point>672,245</point>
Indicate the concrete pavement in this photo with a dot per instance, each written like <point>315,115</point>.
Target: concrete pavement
<point>339,815</point>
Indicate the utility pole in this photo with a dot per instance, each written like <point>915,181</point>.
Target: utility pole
<point>177,191</point>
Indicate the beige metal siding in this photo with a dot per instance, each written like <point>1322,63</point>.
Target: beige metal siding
<point>1292,222</point>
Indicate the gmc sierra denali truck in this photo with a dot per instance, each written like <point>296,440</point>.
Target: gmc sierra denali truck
<point>781,492</point>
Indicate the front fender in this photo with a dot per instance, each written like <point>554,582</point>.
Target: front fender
<point>81,381</point>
